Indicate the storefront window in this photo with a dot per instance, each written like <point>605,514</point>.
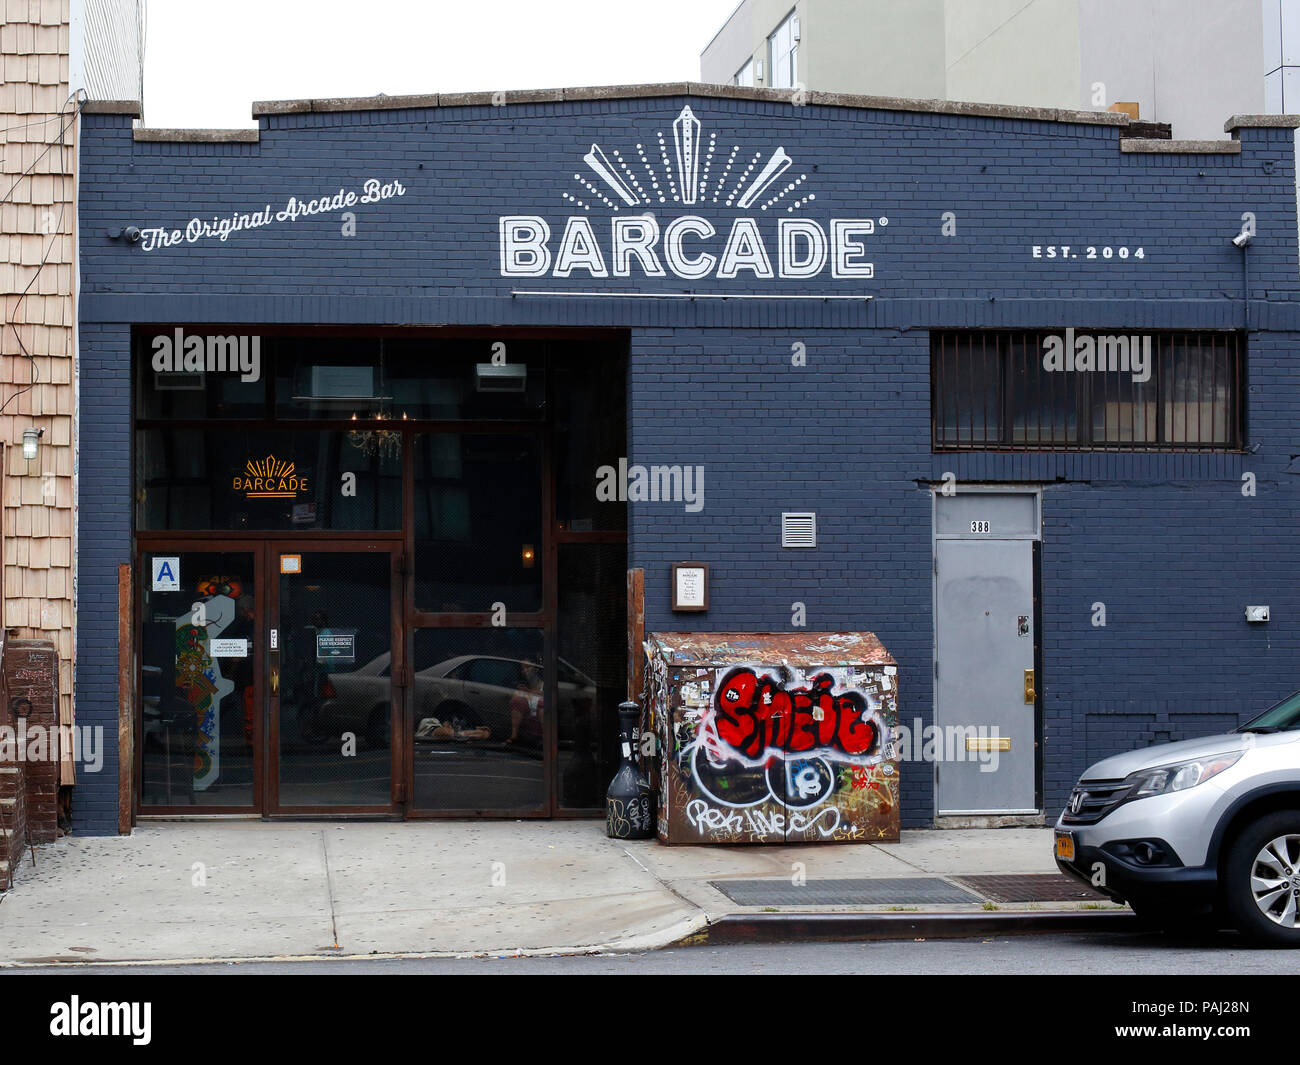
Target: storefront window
<point>479,714</point>
<point>504,442</point>
<point>232,479</point>
<point>478,523</point>
<point>193,372</point>
<point>590,418</point>
<point>185,373</point>
<point>592,628</point>
<point>429,379</point>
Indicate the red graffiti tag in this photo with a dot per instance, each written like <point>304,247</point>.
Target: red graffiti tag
<point>862,780</point>
<point>755,714</point>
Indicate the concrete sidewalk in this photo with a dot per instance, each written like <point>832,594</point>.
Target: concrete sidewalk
<point>241,890</point>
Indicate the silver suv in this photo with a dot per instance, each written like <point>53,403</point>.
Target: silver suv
<point>1202,826</point>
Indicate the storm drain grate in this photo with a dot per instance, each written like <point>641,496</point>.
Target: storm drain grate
<point>907,890</point>
<point>1029,887</point>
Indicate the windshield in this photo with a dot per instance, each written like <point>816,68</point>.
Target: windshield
<point>1277,718</point>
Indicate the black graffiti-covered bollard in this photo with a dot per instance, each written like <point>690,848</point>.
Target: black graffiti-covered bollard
<point>629,802</point>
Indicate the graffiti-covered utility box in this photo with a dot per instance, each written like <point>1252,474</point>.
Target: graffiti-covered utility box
<point>774,737</point>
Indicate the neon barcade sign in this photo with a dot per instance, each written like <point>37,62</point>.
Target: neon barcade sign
<point>776,240</point>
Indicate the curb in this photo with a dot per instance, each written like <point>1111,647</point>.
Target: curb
<point>687,928</point>
<point>732,929</point>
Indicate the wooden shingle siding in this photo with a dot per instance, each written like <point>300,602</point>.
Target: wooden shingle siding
<point>36,256</point>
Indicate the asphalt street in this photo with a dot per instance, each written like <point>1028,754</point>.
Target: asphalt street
<point>1220,954</point>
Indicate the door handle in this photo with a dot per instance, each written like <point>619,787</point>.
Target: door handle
<point>275,682</point>
<point>1031,694</point>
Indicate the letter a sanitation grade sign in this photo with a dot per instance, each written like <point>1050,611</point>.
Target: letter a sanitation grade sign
<point>166,573</point>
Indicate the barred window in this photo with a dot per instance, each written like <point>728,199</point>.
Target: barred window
<point>1086,390</point>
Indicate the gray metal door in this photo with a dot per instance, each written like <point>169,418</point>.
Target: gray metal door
<point>985,688</point>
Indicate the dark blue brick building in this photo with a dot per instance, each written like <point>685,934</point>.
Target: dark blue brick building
<point>842,309</point>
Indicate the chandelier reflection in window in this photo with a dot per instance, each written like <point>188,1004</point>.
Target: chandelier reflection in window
<point>383,442</point>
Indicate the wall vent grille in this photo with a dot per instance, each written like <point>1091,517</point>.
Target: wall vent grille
<point>799,529</point>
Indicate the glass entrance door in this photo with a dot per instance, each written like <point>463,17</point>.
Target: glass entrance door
<point>331,677</point>
<point>199,725</point>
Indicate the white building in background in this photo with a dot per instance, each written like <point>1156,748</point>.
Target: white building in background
<point>1281,56</point>
<point>1187,63</point>
<point>106,48</point>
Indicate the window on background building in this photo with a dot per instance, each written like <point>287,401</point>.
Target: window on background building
<point>1079,390</point>
<point>783,53</point>
<point>1281,56</point>
<point>745,75</point>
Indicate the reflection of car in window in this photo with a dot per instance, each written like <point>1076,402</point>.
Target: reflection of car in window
<point>359,701</point>
<point>498,672</point>
<point>462,699</point>
<point>476,691</point>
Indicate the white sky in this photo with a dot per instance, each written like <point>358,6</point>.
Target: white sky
<point>206,61</point>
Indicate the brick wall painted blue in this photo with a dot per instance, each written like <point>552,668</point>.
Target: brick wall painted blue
<point>1167,542</point>
<point>103,542</point>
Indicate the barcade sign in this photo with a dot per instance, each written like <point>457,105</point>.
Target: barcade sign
<point>775,239</point>
<point>802,248</point>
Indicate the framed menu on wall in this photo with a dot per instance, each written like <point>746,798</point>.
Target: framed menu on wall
<point>690,586</point>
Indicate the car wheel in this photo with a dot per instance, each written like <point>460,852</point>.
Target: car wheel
<point>1262,880</point>
<point>378,727</point>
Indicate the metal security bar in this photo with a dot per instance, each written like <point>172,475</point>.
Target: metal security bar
<point>1077,390</point>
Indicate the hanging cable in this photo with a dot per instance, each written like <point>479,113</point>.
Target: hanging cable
<point>61,143</point>
<point>58,140</point>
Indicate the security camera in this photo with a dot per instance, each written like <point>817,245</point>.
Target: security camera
<point>132,233</point>
<point>1242,239</point>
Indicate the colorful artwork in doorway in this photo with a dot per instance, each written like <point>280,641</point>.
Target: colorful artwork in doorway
<point>199,677</point>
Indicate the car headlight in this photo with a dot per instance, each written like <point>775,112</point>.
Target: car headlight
<point>1179,776</point>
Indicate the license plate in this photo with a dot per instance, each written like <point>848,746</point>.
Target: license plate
<point>1065,846</point>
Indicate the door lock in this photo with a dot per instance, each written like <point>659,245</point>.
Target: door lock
<point>1031,694</point>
